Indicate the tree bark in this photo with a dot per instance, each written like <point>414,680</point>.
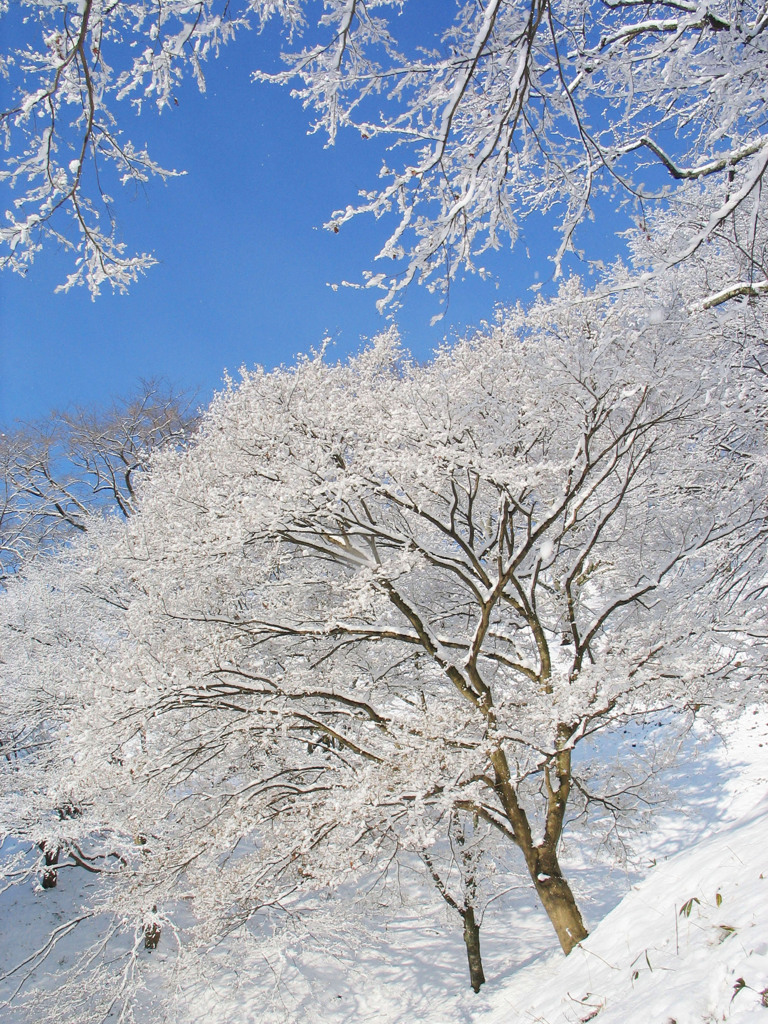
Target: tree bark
<point>472,942</point>
<point>51,856</point>
<point>559,902</point>
<point>152,931</point>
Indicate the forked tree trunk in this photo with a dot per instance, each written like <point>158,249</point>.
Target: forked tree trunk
<point>472,942</point>
<point>542,863</point>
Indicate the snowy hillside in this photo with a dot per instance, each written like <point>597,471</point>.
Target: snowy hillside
<point>689,944</point>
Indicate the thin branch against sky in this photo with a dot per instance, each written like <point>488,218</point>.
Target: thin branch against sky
<point>245,271</point>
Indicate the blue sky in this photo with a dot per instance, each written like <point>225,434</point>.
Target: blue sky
<point>244,262</point>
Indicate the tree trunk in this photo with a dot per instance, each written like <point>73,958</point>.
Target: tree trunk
<point>472,942</point>
<point>558,901</point>
<point>51,856</point>
<point>552,889</point>
<point>152,931</point>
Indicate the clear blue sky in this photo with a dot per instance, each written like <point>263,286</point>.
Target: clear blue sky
<point>244,261</point>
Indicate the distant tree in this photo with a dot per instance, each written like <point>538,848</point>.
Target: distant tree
<point>57,473</point>
<point>41,806</point>
<point>491,111</point>
<point>59,476</point>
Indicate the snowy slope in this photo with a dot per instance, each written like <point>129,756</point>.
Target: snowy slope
<point>689,944</point>
<point>686,945</point>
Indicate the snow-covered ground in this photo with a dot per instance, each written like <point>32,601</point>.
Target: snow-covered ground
<point>687,944</point>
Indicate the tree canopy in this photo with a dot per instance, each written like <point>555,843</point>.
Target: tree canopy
<point>380,606</point>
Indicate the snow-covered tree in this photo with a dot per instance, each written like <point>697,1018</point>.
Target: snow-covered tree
<point>490,112</point>
<point>56,474</point>
<point>376,601</point>
<point>460,882</point>
<point>58,478</point>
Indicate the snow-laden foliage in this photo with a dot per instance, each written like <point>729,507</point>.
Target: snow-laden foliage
<point>55,474</point>
<point>381,609</point>
<point>490,112</point>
